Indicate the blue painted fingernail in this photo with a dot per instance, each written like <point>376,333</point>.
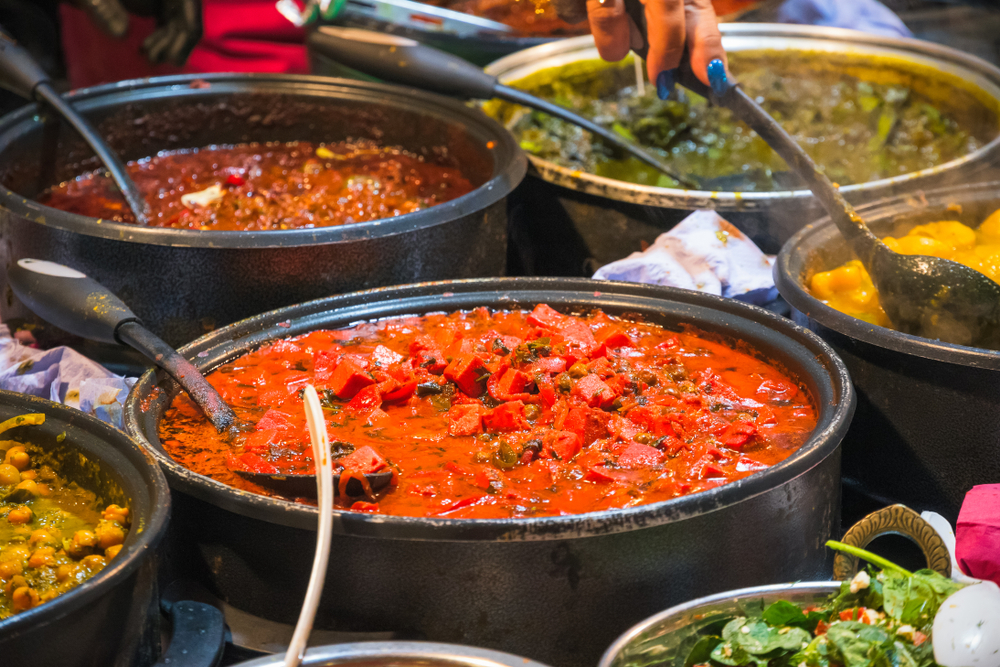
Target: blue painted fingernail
<point>717,77</point>
<point>665,83</point>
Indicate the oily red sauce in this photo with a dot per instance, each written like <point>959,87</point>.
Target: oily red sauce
<point>505,414</point>
<point>269,186</point>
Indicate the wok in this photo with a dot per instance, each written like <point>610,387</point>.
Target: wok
<point>555,589</point>
<point>928,411</point>
<point>215,278</point>
<point>112,618</point>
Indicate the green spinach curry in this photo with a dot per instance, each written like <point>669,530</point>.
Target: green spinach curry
<point>861,120</point>
<point>54,534</point>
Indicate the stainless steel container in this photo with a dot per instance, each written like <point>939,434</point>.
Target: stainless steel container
<point>591,220</point>
<point>399,654</point>
<point>663,638</point>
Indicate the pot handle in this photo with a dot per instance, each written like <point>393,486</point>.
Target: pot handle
<point>893,520</point>
<point>199,636</point>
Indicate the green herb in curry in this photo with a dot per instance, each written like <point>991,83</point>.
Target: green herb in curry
<point>859,122</point>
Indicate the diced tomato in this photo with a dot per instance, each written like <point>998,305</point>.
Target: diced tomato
<point>545,317</point>
<point>546,390</point>
<point>587,423</point>
<point>852,614</point>
<point>250,463</point>
<point>613,337</point>
<point>562,445</point>
<point>378,417</point>
<point>427,354</point>
<point>550,365</point>
<point>324,363</point>
<point>918,638</point>
<point>705,468</point>
<point>821,628</point>
<point>465,419</point>
<point>599,474</point>
<point>274,420</point>
<point>384,357</point>
<point>363,460</point>
<point>366,400</point>
<point>466,371</point>
<point>638,456</point>
<point>650,418</point>
<point>737,434</point>
<point>349,378</point>
<point>402,391</point>
<point>235,179</point>
<point>506,417</point>
<point>509,386</point>
<point>260,442</point>
<point>593,391</point>
<point>578,336</point>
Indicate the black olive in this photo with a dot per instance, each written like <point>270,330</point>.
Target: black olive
<point>428,388</point>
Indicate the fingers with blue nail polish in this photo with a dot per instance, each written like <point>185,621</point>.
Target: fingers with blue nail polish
<point>718,78</point>
<point>665,81</point>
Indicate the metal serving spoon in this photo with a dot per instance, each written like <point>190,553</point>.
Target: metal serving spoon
<point>404,61</point>
<point>21,75</point>
<point>924,296</point>
<point>82,306</point>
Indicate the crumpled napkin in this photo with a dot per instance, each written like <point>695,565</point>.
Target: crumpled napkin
<point>704,253</point>
<point>64,376</point>
<point>868,16</point>
<point>977,535</point>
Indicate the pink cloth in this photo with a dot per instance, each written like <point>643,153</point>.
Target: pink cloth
<point>977,546</point>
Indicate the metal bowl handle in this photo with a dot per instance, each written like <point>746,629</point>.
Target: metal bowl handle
<point>893,520</point>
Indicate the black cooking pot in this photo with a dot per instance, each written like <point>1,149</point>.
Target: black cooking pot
<point>556,589</point>
<point>113,618</point>
<point>217,277</point>
<point>927,427</point>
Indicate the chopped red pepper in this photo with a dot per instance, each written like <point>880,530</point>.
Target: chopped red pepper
<point>235,179</point>
<point>468,372</point>
<point>349,378</point>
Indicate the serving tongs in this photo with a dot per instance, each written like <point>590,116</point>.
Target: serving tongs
<point>21,75</point>
<point>80,305</point>
<point>921,295</point>
<point>405,61</point>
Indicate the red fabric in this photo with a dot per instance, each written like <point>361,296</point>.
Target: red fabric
<point>977,535</point>
<point>239,36</point>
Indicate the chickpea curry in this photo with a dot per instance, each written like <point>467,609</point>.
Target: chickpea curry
<point>53,534</point>
<point>498,414</point>
<point>268,186</point>
<point>849,289</point>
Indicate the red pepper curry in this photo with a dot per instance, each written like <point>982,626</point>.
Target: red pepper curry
<point>496,414</point>
<point>268,186</point>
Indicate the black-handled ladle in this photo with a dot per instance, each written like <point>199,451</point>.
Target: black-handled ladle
<point>80,305</point>
<point>921,295</point>
<point>21,75</point>
<point>405,61</point>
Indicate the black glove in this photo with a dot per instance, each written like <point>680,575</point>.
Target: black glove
<point>180,29</point>
<point>108,15</point>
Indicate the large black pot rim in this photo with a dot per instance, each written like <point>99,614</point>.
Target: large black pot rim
<point>216,348</point>
<point>139,543</point>
<point>790,287</point>
<point>510,163</point>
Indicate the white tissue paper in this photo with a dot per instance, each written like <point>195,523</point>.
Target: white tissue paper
<point>64,376</point>
<point>704,253</point>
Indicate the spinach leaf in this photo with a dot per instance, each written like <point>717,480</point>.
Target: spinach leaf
<point>702,651</point>
<point>733,656</point>
<point>819,653</point>
<point>860,645</point>
<point>783,612</point>
<point>756,637</point>
<point>915,599</point>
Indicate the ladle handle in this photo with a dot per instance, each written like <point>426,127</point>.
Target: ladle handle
<point>82,306</point>
<point>20,74</point>
<point>403,61</point>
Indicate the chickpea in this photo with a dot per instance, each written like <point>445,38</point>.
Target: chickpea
<point>112,551</point>
<point>94,562</point>
<point>44,537</point>
<point>66,571</point>
<point>41,557</point>
<point>109,534</point>
<point>117,514</point>
<point>10,568</point>
<point>9,474</point>
<point>18,457</point>
<point>82,544</point>
<point>20,514</point>
<point>24,598</point>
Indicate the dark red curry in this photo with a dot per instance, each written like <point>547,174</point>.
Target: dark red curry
<point>268,186</point>
<point>505,414</point>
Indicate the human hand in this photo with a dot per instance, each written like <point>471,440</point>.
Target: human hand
<point>672,26</point>
<point>178,32</point>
